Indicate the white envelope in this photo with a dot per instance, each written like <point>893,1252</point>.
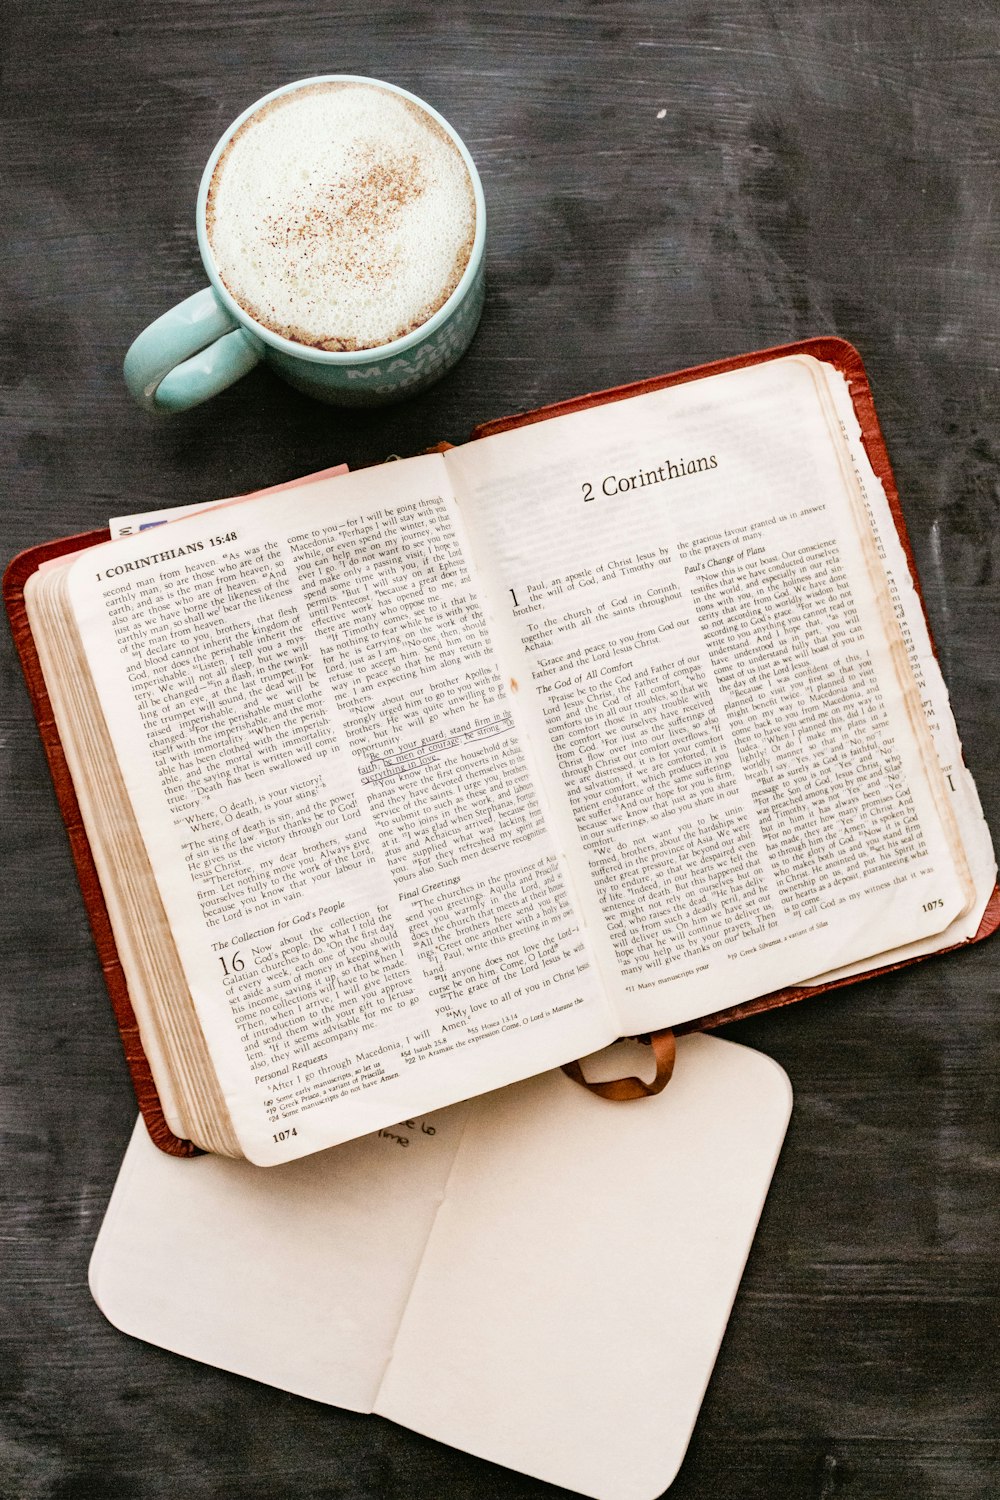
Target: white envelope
<point>537,1276</point>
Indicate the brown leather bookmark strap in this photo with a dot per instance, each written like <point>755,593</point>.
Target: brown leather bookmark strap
<point>664,1051</point>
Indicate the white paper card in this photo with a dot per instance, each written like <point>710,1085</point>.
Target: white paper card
<point>543,1281</point>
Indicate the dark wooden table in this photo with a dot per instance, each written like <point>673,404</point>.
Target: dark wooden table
<point>667,184</point>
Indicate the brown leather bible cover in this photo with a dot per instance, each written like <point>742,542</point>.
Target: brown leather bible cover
<point>16,576</point>
<point>832,350</point>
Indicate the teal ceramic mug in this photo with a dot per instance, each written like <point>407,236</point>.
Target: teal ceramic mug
<point>207,342</point>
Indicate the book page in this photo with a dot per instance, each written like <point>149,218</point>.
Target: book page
<point>907,608</point>
<point>191,1107</point>
<point>349,839</point>
<point>553,1272</point>
<point>689,583</point>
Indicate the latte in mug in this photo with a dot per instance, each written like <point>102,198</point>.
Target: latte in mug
<point>341,216</point>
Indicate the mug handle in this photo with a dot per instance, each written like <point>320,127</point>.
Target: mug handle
<point>189,354</point>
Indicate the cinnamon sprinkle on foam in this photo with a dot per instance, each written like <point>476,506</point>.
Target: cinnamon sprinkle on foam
<point>341,216</point>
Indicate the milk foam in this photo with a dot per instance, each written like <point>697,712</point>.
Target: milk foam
<point>341,215</point>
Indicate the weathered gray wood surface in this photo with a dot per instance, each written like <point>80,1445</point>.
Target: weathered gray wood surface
<point>818,168</point>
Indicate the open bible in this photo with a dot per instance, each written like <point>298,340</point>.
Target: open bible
<point>407,784</point>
